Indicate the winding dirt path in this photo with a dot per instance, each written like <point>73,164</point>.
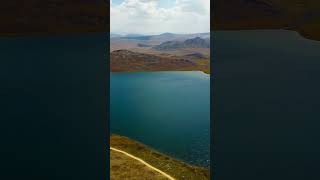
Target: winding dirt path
<point>143,162</point>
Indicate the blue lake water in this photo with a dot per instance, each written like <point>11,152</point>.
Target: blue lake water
<point>266,105</point>
<point>167,111</point>
<point>53,118</point>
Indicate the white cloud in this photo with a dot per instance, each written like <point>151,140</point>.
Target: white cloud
<point>147,16</point>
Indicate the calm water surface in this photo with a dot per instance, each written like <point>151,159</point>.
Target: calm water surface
<point>168,111</point>
<point>53,103</point>
<point>266,105</point>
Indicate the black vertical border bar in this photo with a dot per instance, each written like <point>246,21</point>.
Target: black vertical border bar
<point>107,52</point>
<point>213,73</point>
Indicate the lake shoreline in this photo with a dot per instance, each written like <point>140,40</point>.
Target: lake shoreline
<point>130,71</point>
<point>174,167</point>
<point>159,102</point>
<point>302,32</point>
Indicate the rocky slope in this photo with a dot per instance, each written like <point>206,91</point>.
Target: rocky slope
<point>196,42</point>
<point>129,61</point>
<point>302,16</point>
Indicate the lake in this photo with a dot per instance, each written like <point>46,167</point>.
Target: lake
<point>266,105</point>
<point>53,106</point>
<point>167,111</point>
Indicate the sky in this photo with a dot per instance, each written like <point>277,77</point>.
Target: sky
<point>159,16</point>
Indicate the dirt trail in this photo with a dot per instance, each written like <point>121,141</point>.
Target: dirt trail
<point>143,162</point>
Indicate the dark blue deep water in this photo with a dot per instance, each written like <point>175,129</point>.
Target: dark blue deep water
<point>167,111</point>
<point>266,105</point>
<point>53,106</point>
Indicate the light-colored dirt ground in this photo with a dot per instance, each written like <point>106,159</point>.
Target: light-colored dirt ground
<point>123,167</point>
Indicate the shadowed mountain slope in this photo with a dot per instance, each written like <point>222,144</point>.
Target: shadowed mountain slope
<point>189,43</point>
<point>302,16</point>
<point>52,16</point>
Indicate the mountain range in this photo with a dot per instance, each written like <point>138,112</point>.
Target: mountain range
<point>159,42</point>
<point>164,36</point>
<point>196,42</point>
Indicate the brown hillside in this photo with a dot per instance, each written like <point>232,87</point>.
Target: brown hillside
<point>129,61</point>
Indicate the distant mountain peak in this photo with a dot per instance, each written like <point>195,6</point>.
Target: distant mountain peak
<point>196,42</point>
<point>167,33</point>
